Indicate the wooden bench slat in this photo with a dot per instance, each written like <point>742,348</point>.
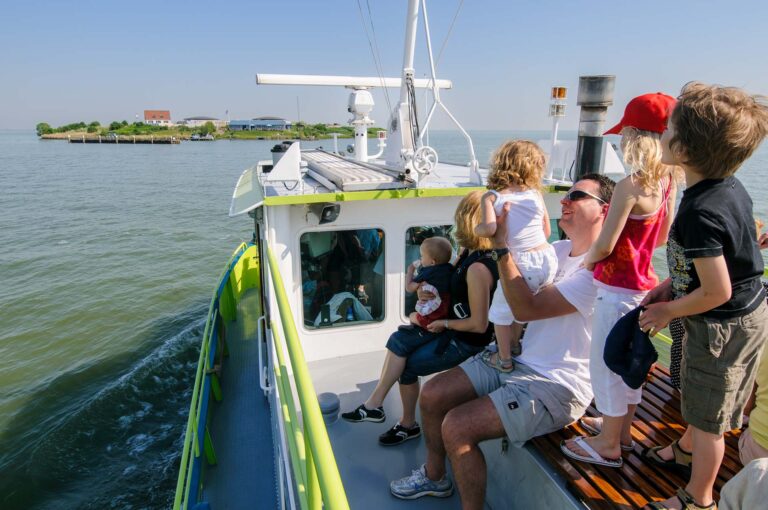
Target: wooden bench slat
<point>657,422</point>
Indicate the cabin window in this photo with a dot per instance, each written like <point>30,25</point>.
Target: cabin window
<point>342,277</point>
<point>414,236</point>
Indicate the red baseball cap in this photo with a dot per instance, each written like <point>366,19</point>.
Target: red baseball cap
<point>648,112</point>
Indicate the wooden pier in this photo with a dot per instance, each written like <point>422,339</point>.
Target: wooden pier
<point>124,139</point>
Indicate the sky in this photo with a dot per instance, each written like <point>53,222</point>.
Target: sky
<point>74,61</point>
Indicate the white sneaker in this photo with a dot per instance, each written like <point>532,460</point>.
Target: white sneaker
<point>418,485</point>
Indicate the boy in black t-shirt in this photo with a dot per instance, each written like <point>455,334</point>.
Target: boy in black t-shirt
<point>715,268</point>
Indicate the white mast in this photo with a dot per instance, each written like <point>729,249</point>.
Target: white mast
<point>400,140</point>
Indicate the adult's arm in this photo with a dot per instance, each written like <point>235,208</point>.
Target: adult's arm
<point>479,284</point>
<point>525,305</point>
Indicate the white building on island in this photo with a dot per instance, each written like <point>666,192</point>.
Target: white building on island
<point>158,117</point>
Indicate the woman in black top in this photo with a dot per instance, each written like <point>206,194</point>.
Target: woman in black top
<point>414,352</point>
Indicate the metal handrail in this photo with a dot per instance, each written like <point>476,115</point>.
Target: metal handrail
<point>192,434</point>
<point>321,468</point>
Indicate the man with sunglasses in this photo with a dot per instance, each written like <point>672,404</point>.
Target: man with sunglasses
<point>549,387</point>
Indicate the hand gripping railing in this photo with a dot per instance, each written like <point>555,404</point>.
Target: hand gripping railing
<point>193,436</point>
<point>320,470</point>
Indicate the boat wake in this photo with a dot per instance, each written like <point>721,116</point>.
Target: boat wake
<point>93,441</point>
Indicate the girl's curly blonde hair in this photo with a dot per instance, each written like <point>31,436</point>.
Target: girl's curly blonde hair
<point>642,153</point>
<point>517,163</point>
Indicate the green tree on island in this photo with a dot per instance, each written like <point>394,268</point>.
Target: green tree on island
<point>207,129</point>
<point>43,128</point>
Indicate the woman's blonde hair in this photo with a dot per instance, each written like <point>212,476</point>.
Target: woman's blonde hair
<point>517,163</point>
<point>466,217</point>
<point>642,153</point>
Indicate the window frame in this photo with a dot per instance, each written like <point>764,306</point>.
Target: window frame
<point>300,282</point>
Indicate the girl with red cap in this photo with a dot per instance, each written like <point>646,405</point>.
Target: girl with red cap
<point>638,221</point>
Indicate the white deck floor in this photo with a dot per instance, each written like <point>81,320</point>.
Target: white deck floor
<point>367,467</point>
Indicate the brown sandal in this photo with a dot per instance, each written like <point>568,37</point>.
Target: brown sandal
<point>680,463</point>
<point>686,500</point>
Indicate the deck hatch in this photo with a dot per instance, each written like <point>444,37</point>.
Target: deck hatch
<point>350,175</point>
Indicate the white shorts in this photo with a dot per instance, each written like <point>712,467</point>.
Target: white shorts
<point>538,268</point>
<point>612,395</point>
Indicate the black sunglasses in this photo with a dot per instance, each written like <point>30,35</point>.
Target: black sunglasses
<point>576,194</point>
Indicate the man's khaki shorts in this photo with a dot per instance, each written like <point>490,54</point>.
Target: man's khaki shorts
<point>528,403</point>
<point>720,358</point>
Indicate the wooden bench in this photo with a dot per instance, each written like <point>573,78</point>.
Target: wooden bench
<point>657,422</point>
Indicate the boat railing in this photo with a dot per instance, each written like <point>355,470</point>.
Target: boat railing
<point>314,468</point>
<point>196,437</point>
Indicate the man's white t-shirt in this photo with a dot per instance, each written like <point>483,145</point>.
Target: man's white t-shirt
<point>558,348</point>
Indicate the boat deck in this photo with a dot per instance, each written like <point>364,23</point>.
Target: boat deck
<point>366,467</point>
<point>241,425</point>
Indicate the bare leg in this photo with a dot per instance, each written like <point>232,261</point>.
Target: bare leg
<point>514,341</point>
<point>503,358</point>
<point>441,394</point>
<point>504,340</point>
<point>626,427</point>
<point>463,429</point>
<point>606,443</point>
<point>409,395</point>
<point>390,373</point>
<point>709,450</point>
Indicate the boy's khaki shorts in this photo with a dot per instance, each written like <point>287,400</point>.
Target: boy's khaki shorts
<point>719,366</point>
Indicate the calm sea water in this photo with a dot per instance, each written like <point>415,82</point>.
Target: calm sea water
<point>109,257</point>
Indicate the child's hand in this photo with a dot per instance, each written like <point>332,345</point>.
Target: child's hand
<point>655,317</point>
<point>659,294</point>
<point>436,326</point>
<point>762,241</point>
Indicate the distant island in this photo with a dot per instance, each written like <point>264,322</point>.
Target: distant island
<point>298,131</point>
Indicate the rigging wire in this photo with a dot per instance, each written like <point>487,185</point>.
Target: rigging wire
<point>374,53</point>
<point>448,35</point>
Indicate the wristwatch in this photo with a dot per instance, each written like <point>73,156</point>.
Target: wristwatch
<point>498,253</point>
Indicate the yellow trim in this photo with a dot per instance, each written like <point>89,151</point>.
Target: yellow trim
<point>323,481</point>
<point>191,448</point>
<point>382,194</point>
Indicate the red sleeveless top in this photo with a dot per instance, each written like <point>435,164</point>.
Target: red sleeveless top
<point>629,266</point>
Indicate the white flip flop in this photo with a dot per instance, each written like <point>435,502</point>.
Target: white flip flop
<point>593,458</point>
<point>595,431</point>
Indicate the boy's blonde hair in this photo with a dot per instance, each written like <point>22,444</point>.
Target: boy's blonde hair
<point>465,219</point>
<point>439,248</point>
<point>642,153</point>
<point>517,162</point>
<point>717,128</point>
